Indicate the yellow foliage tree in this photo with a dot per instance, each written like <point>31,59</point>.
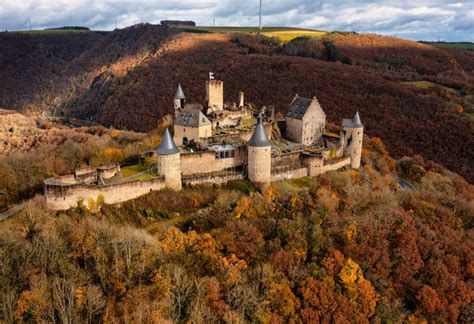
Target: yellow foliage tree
<point>361,292</point>
<point>113,154</point>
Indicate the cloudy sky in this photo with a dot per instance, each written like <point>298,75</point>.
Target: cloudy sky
<point>415,19</point>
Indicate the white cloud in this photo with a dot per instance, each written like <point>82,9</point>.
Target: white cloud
<point>415,19</point>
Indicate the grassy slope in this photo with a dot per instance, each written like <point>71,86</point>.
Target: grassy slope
<point>283,33</point>
<point>459,45</point>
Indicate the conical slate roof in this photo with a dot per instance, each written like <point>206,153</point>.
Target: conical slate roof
<point>179,93</point>
<point>167,146</point>
<point>356,120</point>
<point>259,137</point>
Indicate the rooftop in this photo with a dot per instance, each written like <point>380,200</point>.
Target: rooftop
<point>298,107</point>
<point>179,93</point>
<point>259,137</point>
<point>355,122</point>
<point>167,145</point>
<point>192,116</point>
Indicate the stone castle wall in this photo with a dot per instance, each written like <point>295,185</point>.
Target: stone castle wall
<point>336,164</point>
<point>289,174</point>
<point>108,171</point>
<point>206,162</point>
<point>288,160</point>
<point>212,179</point>
<point>294,129</point>
<point>242,136</point>
<point>62,197</point>
<point>314,163</point>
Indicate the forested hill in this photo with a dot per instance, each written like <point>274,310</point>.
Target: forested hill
<point>416,97</point>
<point>347,247</point>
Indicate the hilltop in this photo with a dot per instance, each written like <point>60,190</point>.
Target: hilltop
<point>127,79</point>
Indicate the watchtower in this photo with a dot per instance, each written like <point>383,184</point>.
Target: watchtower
<point>352,136</point>
<point>259,156</point>
<point>169,162</point>
<point>215,95</point>
<point>179,98</point>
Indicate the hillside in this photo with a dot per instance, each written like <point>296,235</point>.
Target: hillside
<point>127,79</point>
<point>33,149</point>
<point>33,62</point>
<point>349,246</point>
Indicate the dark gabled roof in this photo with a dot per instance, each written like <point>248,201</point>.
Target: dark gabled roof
<point>355,122</point>
<point>259,137</point>
<point>167,146</point>
<point>298,107</point>
<point>179,93</point>
<point>192,116</point>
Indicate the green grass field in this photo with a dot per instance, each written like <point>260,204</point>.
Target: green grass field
<point>130,170</point>
<point>461,45</point>
<point>137,172</point>
<point>283,33</point>
<point>427,84</point>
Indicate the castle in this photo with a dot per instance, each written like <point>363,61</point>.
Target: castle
<point>217,142</point>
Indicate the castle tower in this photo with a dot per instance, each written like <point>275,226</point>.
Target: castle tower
<point>169,162</point>
<point>215,95</point>
<point>179,98</point>
<point>241,99</point>
<point>259,156</point>
<point>353,134</point>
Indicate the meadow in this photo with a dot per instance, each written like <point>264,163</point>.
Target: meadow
<point>285,34</point>
<point>458,45</point>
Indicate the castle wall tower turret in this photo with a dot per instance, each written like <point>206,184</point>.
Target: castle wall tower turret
<point>353,134</point>
<point>259,156</point>
<point>215,95</point>
<point>179,98</point>
<point>169,162</point>
<point>241,99</point>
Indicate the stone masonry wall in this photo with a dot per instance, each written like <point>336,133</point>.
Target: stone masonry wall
<point>294,129</point>
<point>290,174</point>
<point>336,164</point>
<point>65,197</point>
<point>212,179</point>
<point>314,163</point>
<point>206,162</point>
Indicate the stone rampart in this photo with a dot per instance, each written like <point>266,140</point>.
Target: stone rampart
<point>65,196</point>
<point>206,162</point>
<point>289,174</point>
<point>219,178</point>
<point>336,164</point>
<point>314,163</point>
<point>108,171</point>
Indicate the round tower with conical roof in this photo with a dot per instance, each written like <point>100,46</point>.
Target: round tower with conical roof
<point>169,162</point>
<point>259,150</point>
<point>179,98</point>
<point>353,134</point>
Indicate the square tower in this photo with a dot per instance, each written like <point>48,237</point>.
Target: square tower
<point>215,95</point>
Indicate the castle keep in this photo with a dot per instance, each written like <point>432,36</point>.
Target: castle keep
<point>217,142</point>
